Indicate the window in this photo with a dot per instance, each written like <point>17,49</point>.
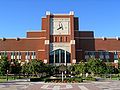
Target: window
<point>66,39</point>
<point>27,57</point>
<point>52,57</point>
<point>56,56</point>
<point>4,53</point>
<point>19,55</point>
<point>12,53</point>
<point>86,55</point>
<point>115,55</point>
<point>92,54</point>
<point>12,56</point>
<point>101,55</point>
<point>107,55</point>
<point>55,39</point>
<point>33,55</point>
<point>60,39</point>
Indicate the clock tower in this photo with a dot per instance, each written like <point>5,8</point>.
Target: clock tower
<point>60,43</point>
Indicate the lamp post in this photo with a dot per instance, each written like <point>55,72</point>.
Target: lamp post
<point>7,75</point>
<point>62,68</point>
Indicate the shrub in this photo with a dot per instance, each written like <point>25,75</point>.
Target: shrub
<point>58,80</point>
<point>79,79</point>
<point>52,80</point>
<point>90,78</point>
<point>35,79</point>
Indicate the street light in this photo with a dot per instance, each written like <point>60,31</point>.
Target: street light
<point>7,75</point>
<point>62,68</point>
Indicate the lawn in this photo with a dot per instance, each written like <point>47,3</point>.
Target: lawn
<point>2,80</point>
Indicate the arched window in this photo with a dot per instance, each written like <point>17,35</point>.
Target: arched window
<point>59,56</point>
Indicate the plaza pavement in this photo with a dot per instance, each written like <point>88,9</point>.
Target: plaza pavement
<point>25,85</point>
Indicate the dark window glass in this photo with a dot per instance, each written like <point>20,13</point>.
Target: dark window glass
<point>12,53</point>
<point>52,57</point>
<point>55,39</point>
<point>27,53</point>
<point>67,57</point>
<point>115,56</point>
<point>60,39</point>
<point>66,39</point>
<point>56,56</point>
<point>62,56</point>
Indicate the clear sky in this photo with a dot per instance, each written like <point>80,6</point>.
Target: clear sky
<point>19,16</point>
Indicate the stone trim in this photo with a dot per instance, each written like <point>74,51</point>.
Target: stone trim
<point>72,42</point>
<point>47,42</point>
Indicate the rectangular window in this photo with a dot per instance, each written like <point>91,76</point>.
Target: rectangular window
<point>92,54</point>
<point>12,56</point>
<point>66,39</point>
<point>86,55</point>
<point>33,55</point>
<point>27,57</point>
<point>12,53</point>
<point>60,39</point>
<point>101,55</point>
<point>115,56</point>
<point>19,55</point>
<point>55,39</point>
<point>4,53</point>
<point>107,55</point>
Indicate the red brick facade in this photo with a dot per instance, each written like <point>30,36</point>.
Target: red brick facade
<point>77,45</point>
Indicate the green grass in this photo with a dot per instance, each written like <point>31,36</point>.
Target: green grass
<point>115,78</point>
<point>2,80</point>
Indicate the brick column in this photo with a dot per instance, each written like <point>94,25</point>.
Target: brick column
<point>47,41</point>
<point>72,41</point>
<point>73,58</point>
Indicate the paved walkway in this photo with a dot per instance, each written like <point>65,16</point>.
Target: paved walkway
<point>24,85</point>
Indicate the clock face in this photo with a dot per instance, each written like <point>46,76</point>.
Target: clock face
<point>60,26</point>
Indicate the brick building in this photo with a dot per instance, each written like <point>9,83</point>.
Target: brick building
<point>60,41</point>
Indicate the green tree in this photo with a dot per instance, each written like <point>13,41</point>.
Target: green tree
<point>119,65</point>
<point>49,69</point>
<point>111,69</point>
<point>34,67</point>
<point>4,65</point>
<point>40,68</point>
<point>25,68</point>
<point>80,68</point>
<point>96,66</point>
<point>15,68</point>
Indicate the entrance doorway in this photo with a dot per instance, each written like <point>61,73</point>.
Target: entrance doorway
<point>59,56</point>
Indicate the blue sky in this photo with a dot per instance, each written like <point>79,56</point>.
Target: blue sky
<point>19,16</point>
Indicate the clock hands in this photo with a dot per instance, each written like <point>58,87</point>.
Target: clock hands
<point>60,26</point>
